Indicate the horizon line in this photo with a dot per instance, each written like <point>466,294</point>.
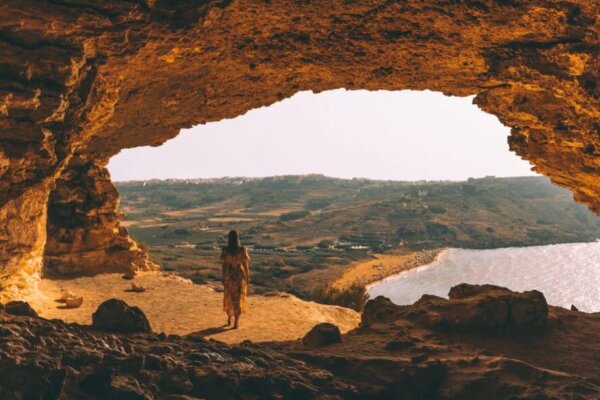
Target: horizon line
<point>248,178</point>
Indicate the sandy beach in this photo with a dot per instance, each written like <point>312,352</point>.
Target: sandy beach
<point>384,266</point>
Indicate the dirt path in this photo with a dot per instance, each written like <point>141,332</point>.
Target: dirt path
<point>384,265</point>
<point>177,306</point>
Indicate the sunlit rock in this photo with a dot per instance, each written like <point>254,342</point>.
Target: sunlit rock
<point>81,83</point>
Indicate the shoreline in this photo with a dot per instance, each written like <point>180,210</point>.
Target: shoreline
<point>441,251</point>
<point>384,266</point>
<point>565,268</point>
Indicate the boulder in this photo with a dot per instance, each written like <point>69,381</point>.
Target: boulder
<point>323,334</point>
<point>379,310</point>
<point>116,316</point>
<point>490,307</point>
<point>469,307</point>
<point>20,308</point>
<point>465,290</point>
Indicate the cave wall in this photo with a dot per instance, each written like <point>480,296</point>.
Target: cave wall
<point>83,226</point>
<point>81,80</point>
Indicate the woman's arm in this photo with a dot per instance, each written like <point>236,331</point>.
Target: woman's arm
<point>246,265</point>
<point>222,260</point>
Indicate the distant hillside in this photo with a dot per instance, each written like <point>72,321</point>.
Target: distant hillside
<point>295,224</point>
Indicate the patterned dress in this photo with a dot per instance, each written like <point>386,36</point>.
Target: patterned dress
<point>235,281</point>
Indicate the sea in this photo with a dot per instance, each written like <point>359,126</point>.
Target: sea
<point>567,274</point>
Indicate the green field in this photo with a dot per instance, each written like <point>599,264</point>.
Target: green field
<point>302,231</point>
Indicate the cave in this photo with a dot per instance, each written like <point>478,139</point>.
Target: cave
<point>82,80</point>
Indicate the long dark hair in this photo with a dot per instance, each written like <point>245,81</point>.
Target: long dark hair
<point>233,243</point>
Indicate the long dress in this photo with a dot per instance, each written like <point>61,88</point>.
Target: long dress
<point>235,282</point>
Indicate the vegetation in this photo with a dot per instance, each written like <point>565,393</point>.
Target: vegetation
<point>304,231</point>
<point>354,296</point>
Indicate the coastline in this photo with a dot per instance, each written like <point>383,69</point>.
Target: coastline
<point>563,272</point>
<point>384,266</point>
<point>441,251</point>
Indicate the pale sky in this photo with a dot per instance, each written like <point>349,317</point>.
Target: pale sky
<point>406,135</point>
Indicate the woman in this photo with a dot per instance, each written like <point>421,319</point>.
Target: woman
<point>236,277</point>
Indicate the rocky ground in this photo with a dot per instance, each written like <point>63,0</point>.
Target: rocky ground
<point>484,342</point>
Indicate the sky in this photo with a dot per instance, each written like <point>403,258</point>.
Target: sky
<point>401,135</point>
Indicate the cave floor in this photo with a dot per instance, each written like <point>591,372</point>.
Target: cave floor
<point>177,306</point>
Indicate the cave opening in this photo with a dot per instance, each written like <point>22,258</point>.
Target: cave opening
<point>392,138</point>
<point>409,136</point>
<point>179,207</point>
<point>384,135</point>
<point>81,83</point>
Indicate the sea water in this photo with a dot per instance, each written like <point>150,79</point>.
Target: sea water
<point>566,273</point>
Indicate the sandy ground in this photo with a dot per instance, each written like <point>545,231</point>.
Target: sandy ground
<point>176,305</point>
<point>384,265</point>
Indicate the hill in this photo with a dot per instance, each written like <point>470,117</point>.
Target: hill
<point>303,231</point>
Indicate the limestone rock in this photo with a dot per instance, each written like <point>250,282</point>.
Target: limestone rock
<point>491,307</point>
<point>49,359</point>
<point>137,288</point>
<point>380,309</point>
<point>323,334</point>
<point>176,382</point>
<point>470,307</point>
<point>74,302</point>
<point>116,316</point>
<point>65,296</point>
<point>81,83</point>
<point>20,308</point>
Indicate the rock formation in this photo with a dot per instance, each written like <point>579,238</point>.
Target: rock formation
<point>83,224</point>
<point>398,357</point>
<point>115,315</point>
<point>322,334</point>
<point>470,307</point>
<point>81,80</point>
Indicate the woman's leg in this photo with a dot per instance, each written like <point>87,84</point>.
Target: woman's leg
<point>235,321</point>
<point>228,320</point>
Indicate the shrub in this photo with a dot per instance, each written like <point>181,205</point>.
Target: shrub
<point>316,204</point>
<point>294,215</point>
<point>325,244</point>
<point>354,296</point>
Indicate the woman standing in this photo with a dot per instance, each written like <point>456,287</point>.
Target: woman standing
<point>236,277</point>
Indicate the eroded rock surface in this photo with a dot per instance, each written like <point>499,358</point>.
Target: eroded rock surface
<point>84,227</point>
<point>82,80</point>
<point>400,357</point>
